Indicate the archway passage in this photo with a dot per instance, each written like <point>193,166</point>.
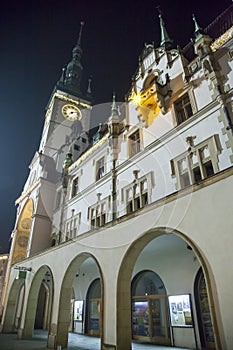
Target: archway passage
<point>81,284</point>
<point>149,308</point>
<point>39,303</point>
<point>22,233</point>
<point>43,304</point>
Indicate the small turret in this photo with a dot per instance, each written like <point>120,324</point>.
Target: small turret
<point>201,41</point>
<point>115,127</point>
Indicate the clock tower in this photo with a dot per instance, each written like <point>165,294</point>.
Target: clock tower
<point>68,111</point>
<point>66,128</point>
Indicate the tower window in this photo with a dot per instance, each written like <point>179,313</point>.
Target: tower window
<point>183,109</point>
<point>75,187</point>
<point>76,147</point>
<point>100,168</point>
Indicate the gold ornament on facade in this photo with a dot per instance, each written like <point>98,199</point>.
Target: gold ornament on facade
<point>222,40</point>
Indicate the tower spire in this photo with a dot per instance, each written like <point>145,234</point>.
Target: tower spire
<point>72,75</point>
<point>165,39</point>
<point>197,29</point>
<point>80,33</point>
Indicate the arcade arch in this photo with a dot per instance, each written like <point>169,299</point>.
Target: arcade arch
<point>81,276</point>
<point>14,306</point>
<point>176,260</point>
<point>39,303</point>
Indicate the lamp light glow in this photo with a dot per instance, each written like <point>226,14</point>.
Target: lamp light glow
<point>136,99</point>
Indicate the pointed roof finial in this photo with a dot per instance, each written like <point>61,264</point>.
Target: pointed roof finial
<point>165,39</point>
<point>198,29</point>
<point>62,78</point>
<point>114,106</point>
<point>89,91</point>
<point>80,33</point>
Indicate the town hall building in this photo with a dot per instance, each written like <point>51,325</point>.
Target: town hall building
<point>124,231</point>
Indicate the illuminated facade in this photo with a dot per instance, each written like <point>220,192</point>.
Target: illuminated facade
<point>124,232</point>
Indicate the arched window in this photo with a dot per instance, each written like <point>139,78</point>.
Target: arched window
<point>93,311</point>
<point>203,312</point>
<point>147,283</point>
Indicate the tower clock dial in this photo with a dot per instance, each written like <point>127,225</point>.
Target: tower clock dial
<point>71,112</point>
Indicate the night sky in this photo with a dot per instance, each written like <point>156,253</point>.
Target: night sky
<point>36,40</point>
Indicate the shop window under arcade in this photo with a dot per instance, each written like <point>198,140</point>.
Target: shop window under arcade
<point>203,312</point>
<point>93,317</point>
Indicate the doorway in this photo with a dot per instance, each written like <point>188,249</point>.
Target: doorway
<point>149,309</point>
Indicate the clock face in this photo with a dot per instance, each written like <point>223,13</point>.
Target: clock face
<point>71,112</point>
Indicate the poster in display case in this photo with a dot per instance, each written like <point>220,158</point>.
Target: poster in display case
<point>78,310</point>
<point>180,310</point>
<point>140,318</point>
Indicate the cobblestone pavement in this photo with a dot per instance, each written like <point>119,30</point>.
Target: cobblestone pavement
<point>76,342</point>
